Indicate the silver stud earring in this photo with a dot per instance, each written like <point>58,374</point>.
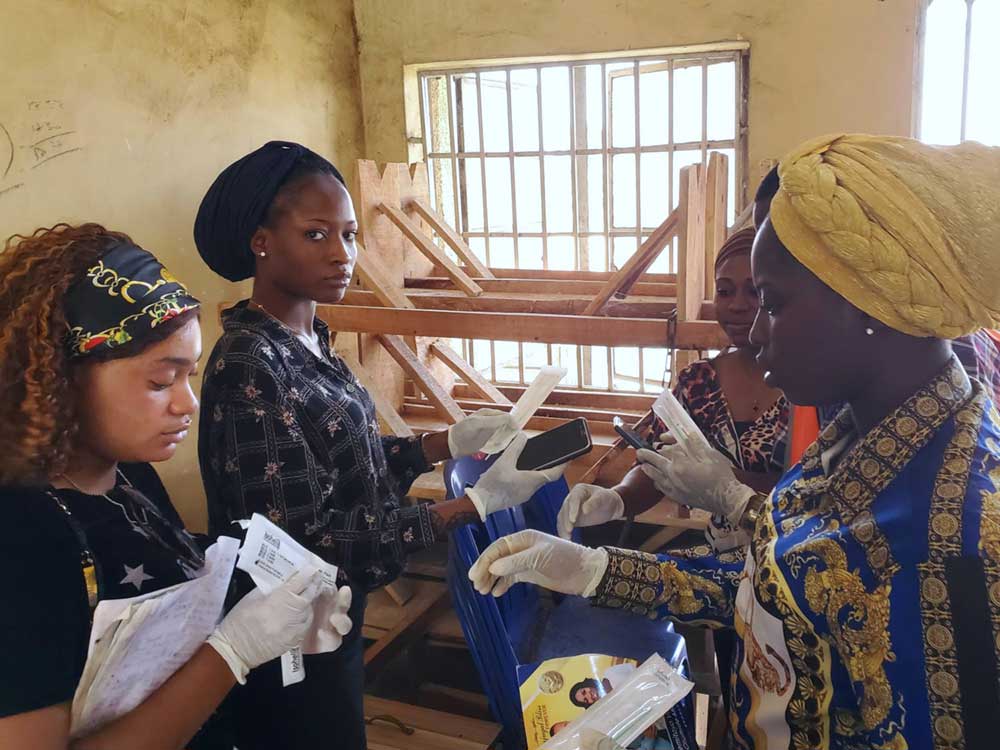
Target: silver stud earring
<point>262,254</point>
<point>869,331</point>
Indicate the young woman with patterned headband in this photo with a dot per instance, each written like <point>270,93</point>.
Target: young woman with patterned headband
<point>98,343</point>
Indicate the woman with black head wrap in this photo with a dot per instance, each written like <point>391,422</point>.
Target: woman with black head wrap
<point>288,431</point>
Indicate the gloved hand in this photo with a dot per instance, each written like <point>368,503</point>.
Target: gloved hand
<point>588,505</point>
<point>330,621</point>
<point>704,481</point>
<point>504,486</point>
<point>479,428</point>
<point>533,557</point>
<point>263,626</point>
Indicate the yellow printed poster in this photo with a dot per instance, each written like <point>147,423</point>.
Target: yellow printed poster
<point>559,690</point>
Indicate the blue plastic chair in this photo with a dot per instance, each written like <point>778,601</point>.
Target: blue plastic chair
<point>523,627</point>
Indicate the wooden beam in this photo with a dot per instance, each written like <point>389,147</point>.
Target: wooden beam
<point>405,358</point>
<point>691,244</point>
<point>551,329</point>
<point>634,266</point>
<point>420,412</point>
<point>553,304</point>
<point>400,591</point>
<point>544,286</point>
<point>383,407</point>
<point>557,411</point>
<point>371,277</point>
<point>660,538</point>
<point>623,402</point>
<point>426,246</point>
<point>468,373</point>
<point>418,717</point>
<point>417,614</point>
<point>716,214</point>
<point>413,183</point>
<point>548,274</point>
<point>668,513</point>
<point>450,236</point>
<point>382,262</point>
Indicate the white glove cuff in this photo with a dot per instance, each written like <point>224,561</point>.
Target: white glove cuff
<point>740,495</point>
<point>238,667</point>
<point>452,446</point>
<point>619,513</point>
<point>597,563</point>
<point>473,494</point>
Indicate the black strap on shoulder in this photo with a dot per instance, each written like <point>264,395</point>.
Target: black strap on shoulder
<point>88,563</point>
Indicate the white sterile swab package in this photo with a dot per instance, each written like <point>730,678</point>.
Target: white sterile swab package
<point>624,714</point>
<point>680,425</point>
<point>534,396</point>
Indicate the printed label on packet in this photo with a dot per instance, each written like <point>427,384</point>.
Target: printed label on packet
<point>270,557</point>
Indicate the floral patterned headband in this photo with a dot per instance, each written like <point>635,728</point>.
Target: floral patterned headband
<point>122,298</point>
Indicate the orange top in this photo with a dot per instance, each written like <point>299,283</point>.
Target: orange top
<point>804,431</point>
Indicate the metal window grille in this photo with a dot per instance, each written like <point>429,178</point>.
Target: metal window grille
<point>569,165</point>
<point>959,60</point>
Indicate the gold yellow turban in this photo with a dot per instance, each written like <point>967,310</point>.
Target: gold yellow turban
<point>906,232</point>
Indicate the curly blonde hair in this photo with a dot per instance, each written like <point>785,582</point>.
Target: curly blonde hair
<point>37,420</point>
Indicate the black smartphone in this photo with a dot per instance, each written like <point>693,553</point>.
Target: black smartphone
<point>628,435</point>
<point>556,446</point>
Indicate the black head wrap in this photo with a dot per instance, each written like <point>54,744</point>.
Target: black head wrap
<point>122,297</point>
<point>237,202</point>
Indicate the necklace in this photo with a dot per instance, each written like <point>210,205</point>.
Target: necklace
<point>152,526</point>
<point>308,341</point>
<point>79,489</point>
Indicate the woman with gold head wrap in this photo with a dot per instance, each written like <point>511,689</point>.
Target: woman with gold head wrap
<point>869,606</point>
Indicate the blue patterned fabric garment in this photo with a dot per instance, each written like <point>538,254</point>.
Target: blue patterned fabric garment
<point>868,610</point>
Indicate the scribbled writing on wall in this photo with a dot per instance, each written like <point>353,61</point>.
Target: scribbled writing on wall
<point>41,133</point>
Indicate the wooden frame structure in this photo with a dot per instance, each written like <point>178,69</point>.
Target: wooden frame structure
<point>410,296</point>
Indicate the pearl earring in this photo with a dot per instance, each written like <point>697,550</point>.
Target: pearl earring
<point>263,254</point>
<point>869,331</point>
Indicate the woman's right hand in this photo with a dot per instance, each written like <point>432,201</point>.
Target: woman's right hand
<point>262,627</point>
<point>704,480</point>
<point>589,505</point>
<point>503,485</point>
<point>533,557</point>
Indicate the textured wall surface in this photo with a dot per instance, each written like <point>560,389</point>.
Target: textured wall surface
<point>816,67</point>
<point>123,111</point>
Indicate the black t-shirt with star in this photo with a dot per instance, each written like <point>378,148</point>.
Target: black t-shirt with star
<point>139,545</point>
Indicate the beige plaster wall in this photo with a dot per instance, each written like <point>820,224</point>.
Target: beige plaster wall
<point>153,98</point>
<point>816,66</point>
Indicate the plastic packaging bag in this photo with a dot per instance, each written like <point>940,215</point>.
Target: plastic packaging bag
<point>621,716</point>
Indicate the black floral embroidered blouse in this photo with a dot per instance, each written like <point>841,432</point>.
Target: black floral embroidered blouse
<point>293,436</point>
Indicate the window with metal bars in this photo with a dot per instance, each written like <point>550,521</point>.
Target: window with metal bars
<point>569,165</point>
<point>960,63</point>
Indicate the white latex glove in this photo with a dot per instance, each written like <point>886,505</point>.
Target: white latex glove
<point>330,621</point>
<point>533,557</point>
<point>504,486</point>
<point>588,505</point>
<point>705,481</point>
<point>476,430</point>
<point>262,627</point>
